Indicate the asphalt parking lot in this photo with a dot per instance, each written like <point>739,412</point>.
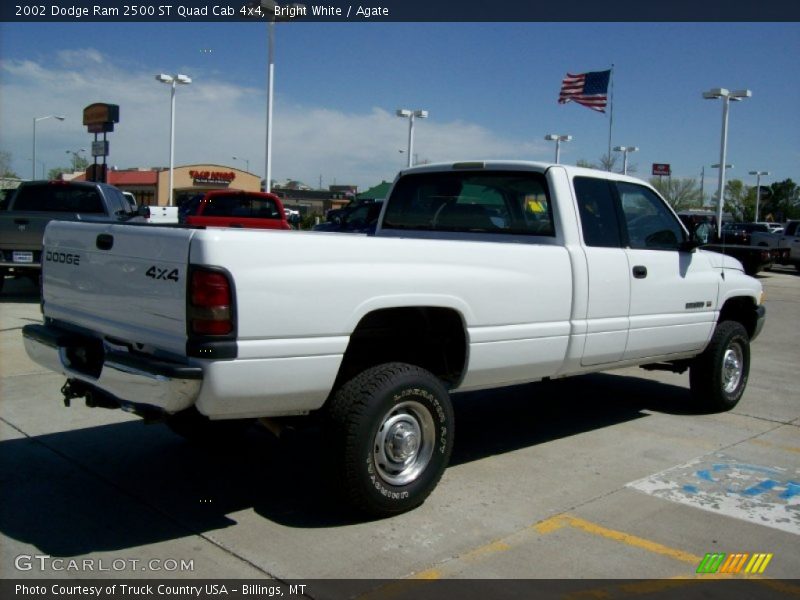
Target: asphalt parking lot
<point>613,475</point>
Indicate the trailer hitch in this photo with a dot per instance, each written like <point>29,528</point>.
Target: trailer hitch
<point>94,398</point>
<point>72,389</point>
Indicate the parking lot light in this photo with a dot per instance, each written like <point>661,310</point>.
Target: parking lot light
<point>726,96</point>
<point>625,150</point>
<point>758,175</point>
<point>554,137</point>
<point>36,120</point>
<point>411,115</point>
<point>173,81</point>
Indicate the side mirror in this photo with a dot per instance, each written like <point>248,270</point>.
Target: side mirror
<point>143,211</point>
<point>689,245</point>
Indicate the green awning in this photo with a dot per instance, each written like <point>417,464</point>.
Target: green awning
<point>379,191</point>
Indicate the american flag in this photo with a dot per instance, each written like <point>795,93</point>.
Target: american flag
<point>588,89</point>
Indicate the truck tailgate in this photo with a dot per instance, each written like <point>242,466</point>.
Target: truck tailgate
<point>124,281</point>
<point>21,238</point>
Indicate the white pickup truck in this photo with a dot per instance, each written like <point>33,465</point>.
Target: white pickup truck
<point>479,275</point>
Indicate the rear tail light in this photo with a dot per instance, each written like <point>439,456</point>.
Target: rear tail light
<point>210,302</point>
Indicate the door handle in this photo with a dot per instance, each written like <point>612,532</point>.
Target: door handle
<point>640,272</point>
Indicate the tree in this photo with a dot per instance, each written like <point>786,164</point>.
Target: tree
<point>783,202</point>
<point>5,165</point>
<point>736,193</point>
<point>681,194</point>
<point>606,163</point>
<point>79,163</point>
<point>56,173</point>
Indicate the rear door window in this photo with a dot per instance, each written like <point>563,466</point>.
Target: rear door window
<point>597,208</point>
<point>472,202</point>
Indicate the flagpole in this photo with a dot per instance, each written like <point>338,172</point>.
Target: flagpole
<point>611,113</point>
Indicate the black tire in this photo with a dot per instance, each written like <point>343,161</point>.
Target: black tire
<point>719,375</point>
<point>392,430</point>
<point>2,280</point>
<point>200,430</point>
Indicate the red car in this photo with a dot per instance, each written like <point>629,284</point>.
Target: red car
<point>236,208</point>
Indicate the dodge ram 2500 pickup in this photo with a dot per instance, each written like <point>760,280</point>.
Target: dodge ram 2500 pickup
<point>479,275</point>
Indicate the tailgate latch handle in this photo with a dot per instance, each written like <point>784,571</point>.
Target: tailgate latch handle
<point>105,241</point>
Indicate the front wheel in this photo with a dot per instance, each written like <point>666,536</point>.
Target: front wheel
<point>392,429</point>
<point>719,375</point>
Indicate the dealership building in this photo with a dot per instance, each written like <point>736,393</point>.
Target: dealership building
<point>150,186</point>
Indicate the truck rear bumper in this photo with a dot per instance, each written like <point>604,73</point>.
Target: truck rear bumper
<point>133,380</point>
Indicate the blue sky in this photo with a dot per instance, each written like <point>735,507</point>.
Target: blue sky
<point>490,88</point>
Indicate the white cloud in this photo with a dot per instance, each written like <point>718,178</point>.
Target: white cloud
<point>80,57</point>
<point>216,120</point>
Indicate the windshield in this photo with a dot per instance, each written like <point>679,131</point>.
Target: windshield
<point>58,198</point>
<point>241,205</point>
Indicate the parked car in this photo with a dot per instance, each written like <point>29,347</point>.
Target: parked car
<point>189,207</point>
<point>237,208</point>
<point>791,240</point>
<point>773,227</point>
<point>360,218</point>
<point>702,226</point>
<point>749,234</point>
<point>36,203</point>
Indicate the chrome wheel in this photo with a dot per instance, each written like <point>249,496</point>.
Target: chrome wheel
<point>404,443</point>
<point>732,368</point>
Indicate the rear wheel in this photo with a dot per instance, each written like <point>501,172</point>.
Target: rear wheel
<point>392,430</point>
<point>719,375</point>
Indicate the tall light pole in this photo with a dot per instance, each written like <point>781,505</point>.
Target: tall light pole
<point>727,97</point>
<point>554,137</point>
<point>703,180</point>
<point>270,87</point>
<point>36,120</point>
<point>758,175</point>
<point>269,7</point>
<point>625,150</point>
<point>246,161</point>
<point>173,81</point>
<point>411,115</point>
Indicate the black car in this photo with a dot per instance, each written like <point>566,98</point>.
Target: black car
<point>359,217</point>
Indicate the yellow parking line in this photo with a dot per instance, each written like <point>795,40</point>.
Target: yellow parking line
<point>562,521</point>
<point>554,523</point>
<point>470,557</point>
<point>761,442</point>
